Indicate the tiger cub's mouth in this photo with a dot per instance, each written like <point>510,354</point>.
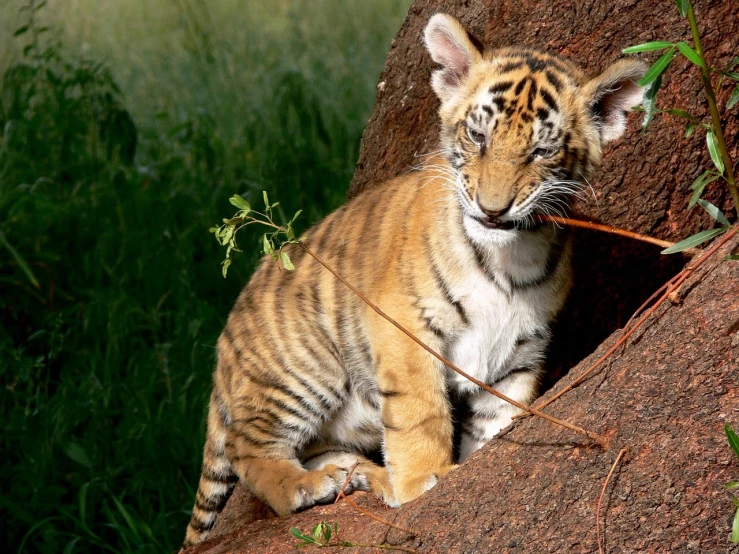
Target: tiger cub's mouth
<point>494,223</point>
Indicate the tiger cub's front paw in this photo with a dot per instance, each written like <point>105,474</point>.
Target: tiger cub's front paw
<point>412,487</point>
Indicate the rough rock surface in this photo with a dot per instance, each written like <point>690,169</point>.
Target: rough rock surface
<point>666,395</point>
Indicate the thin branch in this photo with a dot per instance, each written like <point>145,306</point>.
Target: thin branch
<point>589,434</point>
<point>606,229</point>
<point>603,493</point>
<point>715,116</point>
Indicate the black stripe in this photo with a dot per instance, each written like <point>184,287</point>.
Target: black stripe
<point>501,86</point>
<point>480,259</point>
<point>201,526</point>
<point>553,80</point>
<point>510,66</point>
<point>548,99</point>
<point>487,109</point>
<point>519,87</point>
<point>444,287</point>
<point>209,475</point>
<point>536,64</point>
<point>512,372</point>
<point>390,393</point>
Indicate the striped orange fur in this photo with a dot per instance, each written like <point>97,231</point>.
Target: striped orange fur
<point>309,380</point>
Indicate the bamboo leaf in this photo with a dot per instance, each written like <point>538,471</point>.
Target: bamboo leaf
<point>689,53</point>
<point>647,47</point>
<point>682,6</point>
<point>714,151</point>
<point>735,528</point>
<point>732,485</point>
<point>689,128</point>
<point>695,240</point>
<point>658,67</point>
<point>733,438</point>
<point>650,101</point>
<point>20,30</point>
<point>226,263</point>
<point>714,212</point>
<point>699,186</point>
<point>733,99</point>
<point>732,257</point>
<point>682,113</point>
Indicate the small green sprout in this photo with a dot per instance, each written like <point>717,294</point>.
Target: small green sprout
<point>271,242</point>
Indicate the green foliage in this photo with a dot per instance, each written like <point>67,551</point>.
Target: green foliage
<point>322,534</point>
<point>715,143</point>
<point>272,242</point>
<point>734,443</point>
<point>109,176</point>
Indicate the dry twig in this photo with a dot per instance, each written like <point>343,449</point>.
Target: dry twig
<point>603,493</point>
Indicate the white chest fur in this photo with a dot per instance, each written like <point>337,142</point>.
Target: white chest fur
<point>496,321</point>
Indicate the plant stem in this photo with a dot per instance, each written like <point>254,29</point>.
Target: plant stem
<point>601,441</point>
<point>606,229</point>
<point>717,128</point>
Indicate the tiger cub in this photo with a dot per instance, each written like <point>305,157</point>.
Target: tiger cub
<point>309,379</point>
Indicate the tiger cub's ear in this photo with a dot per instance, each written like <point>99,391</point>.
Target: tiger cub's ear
<point>451,47</point>
<point>612,94</point>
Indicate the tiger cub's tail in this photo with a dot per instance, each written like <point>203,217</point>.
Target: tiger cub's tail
<point>217,478</point>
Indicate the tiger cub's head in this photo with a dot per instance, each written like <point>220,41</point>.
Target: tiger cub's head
<point>521,128</point>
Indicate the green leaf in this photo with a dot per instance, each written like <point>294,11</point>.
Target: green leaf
<point>733,438</point>
<point>682,113</point>
<point>694,240</point>
<point>732,485</point>
<point>733,99</point>
<point>689,53</point>
<point>658,67</point>
<point>25,268</point>
<point>298,534</point>
<point>227,235</point>
<point>689,128</point>
<point>286,263</point>
<point>735,528</point>
<point>226,263</point>
<point>240,203</point>
<point>20,30</point>
<point>647,46</point>
<point>127,517</point>
<point>732,74</point>
<point>266,198</point>
<point>714,212</point>
<point>78,454</point>
<point>714,151</point>
<point>682,6</point>
<point>650,101</point>
<point>296,216</point>
<point>732,257</point>
<point>700,184</point>
<point>268,249</point>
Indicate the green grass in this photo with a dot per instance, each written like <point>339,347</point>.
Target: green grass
<point>110,176</point>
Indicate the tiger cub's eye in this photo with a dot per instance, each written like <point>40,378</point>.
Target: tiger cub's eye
<point>476,136</point>
<point>541,153</point>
